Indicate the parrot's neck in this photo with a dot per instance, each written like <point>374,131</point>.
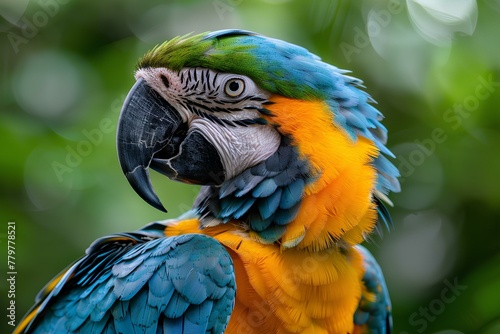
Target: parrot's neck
<point>337,207</point>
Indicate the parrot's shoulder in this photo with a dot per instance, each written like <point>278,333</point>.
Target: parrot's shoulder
<point>140,279</point>
<point>374,313</point>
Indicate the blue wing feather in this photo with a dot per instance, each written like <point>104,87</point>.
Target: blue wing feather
<point>144,283</point>
<point>265,188</point>
<point>268,205</point>
<point>374,312</point>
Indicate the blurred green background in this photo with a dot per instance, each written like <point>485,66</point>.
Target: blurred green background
<point>433,67</point>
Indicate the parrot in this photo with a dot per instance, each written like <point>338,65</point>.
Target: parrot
<point>290,156</point>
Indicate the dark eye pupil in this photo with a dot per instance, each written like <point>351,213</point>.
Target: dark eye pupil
<point>234,86</point>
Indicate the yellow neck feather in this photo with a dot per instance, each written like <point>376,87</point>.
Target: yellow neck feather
<point>337,205</point>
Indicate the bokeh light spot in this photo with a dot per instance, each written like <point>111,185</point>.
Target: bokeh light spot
<point>13,10</point>
<point>48,84</point>
<point>421,254</point>
<point>439,21</point>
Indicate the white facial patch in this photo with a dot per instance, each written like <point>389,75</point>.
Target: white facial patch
<point>239,147</point>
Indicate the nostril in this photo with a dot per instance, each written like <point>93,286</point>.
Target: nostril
<point>165,81</point>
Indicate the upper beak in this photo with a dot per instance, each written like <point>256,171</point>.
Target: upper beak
<point>147,124</point>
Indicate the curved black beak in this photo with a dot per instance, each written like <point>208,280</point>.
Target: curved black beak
<point>147,124</point>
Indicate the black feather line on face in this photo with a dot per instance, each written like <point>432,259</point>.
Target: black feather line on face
<point>225,122</point>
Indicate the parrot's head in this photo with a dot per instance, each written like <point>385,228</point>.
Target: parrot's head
<point>282,143</point>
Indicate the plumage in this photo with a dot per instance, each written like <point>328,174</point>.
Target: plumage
<point>374,311</point>
<point>292,158</point>
<point>155,282</point>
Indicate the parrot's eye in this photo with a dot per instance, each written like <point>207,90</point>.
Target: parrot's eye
<point>234,87</point>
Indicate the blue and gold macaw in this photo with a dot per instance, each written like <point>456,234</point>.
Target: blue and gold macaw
<point>293,165</point>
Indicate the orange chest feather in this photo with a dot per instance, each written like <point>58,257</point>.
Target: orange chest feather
<point>291,291</point>
<point>337,204</point>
